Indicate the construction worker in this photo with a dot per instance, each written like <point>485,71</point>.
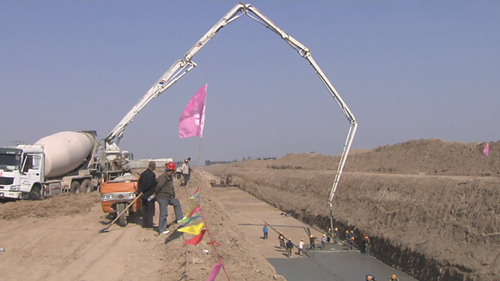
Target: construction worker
<point>370,277</point>
<point>311,242</point>
<point>350,243</point>
<point>329,234</point>
<point>289,247</point>
<point>394,278</point>
<point>336,235</point>
<point>165,195</point>
<point>186,171</point>
<point>146,185</point>
<point>301,247</point>
<point>119,163</point>
<point>265,229</point>
<point>347,236</point>
<point>281,238</point>
<point>367,244</point>
<point>323,241</point>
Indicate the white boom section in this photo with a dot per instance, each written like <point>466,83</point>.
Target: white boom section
<point>181,67</point>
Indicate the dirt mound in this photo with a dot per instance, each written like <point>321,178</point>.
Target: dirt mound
<point>60,205</point>
<point>429,157</point>
<point>430,207</point>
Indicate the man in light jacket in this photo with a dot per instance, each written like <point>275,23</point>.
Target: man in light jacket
<point>186,171</point>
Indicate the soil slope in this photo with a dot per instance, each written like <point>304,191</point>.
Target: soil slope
<point>430,207</point>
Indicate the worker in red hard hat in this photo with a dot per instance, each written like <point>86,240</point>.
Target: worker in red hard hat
<point>165,195</point>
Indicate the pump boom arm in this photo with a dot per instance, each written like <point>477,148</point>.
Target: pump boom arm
<point>181,67</point>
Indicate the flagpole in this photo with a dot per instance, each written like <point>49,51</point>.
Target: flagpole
<point>199,152</point>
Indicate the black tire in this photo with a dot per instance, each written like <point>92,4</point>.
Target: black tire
<point>86,186</point>
<point>35,193</point>
<point>122,221</point>
<point>75,187</point>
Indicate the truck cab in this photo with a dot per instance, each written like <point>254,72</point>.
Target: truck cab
<point>21,172</point>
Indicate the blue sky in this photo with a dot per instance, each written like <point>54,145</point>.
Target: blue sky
<point>406,69</point>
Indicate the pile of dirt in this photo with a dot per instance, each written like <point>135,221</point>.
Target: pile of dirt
<point>62,205</point>
<point>430,207</point>
<point>429,157</point>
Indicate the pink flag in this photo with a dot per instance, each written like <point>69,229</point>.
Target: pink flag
<point>193,117</point>
<point>486,149</point>
<point>197,209</point>
<point>215,271</point>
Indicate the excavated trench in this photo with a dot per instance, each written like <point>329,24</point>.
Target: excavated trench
<point>415,224</point>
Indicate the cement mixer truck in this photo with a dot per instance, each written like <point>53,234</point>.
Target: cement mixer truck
<point>65,161</point>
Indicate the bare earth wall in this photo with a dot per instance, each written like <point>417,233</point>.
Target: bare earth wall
<point>430,207</point>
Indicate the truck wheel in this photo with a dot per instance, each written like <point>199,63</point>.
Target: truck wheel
<point>75,187</point>
<point>85,187</point>
<point>122,221</point>
<point>35,193</point>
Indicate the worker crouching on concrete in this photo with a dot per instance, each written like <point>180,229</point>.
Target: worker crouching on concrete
<point>165,195</point>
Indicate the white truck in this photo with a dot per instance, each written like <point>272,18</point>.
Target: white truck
<point>65,161</point>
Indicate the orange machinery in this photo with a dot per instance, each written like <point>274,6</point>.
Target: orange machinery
<point>117,194</point>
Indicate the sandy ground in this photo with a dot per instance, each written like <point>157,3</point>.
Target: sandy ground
<point>58,239</point>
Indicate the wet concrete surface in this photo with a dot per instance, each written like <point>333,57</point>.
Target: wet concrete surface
<point>336,266</point>
<point>333,263</point>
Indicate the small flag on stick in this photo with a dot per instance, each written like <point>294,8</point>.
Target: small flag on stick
<point>192,229</point>
<point>215,271</point>
<point>197,239</point>
<point>486,149</point>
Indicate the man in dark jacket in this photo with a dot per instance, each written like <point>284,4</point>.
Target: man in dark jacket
<point>147,184</point>
<point>289,247</point>
<point>311,242</point>
<point>165,195</point>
